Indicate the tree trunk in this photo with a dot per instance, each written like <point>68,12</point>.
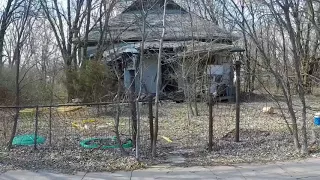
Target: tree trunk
<point>21,33</point>
<point>306,62</point>
<point>247,84</point>
<point>154,145</point>
<point>17,103</point>
<point>196,110</point>
<point>117,118</point>
<point>295,39</point>
<point>69,83</point>
<point>141,83</point>
<point>2,33</point>
<point>86,35</point>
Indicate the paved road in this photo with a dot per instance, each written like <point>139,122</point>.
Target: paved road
<point>308,169</point>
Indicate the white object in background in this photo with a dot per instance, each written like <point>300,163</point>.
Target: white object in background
<point>76,100</point>
<point>132,62</point>
<point>268,110</point>
<point>213,89</point>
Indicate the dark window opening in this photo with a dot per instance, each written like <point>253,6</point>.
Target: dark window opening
<point>169,79</point>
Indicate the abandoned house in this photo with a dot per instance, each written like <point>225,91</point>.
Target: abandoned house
<point>197,54</point>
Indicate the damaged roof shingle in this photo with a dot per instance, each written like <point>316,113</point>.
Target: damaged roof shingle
<point>180,25</point>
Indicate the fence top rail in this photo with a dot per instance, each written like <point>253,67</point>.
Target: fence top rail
<point>59,105</point>
<point>73,104</point>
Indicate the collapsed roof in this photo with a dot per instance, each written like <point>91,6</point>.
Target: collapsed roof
<point>180,24</point>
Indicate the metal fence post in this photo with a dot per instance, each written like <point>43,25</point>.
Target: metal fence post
<point>150,101</point>
<point>133,106</point>
<point>50,126</point>
<point>36,128</point>
<point>237,130</point>
<point>210,122</point>
<point>138,132</point>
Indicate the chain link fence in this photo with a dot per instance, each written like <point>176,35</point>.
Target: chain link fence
<point>64,126</point>
<point>180,133</point>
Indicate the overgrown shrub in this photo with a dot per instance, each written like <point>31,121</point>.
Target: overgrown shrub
<point>96,82</point>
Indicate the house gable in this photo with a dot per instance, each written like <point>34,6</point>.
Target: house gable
<point>153,5</point>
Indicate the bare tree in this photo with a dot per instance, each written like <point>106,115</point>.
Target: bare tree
<point>5,20</point>
<point>62,22</point>
<point>287,17</point>
<point>23,26</point>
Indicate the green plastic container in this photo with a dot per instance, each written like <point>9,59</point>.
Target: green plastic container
<point>87,143</point>
<point>27,140</point>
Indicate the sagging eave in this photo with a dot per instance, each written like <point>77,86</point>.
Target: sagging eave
<point>180,48</point>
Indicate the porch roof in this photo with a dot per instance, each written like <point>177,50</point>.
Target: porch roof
<point>179,48</point>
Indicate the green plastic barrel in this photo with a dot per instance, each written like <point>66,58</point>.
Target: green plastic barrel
<point>27,140</point>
